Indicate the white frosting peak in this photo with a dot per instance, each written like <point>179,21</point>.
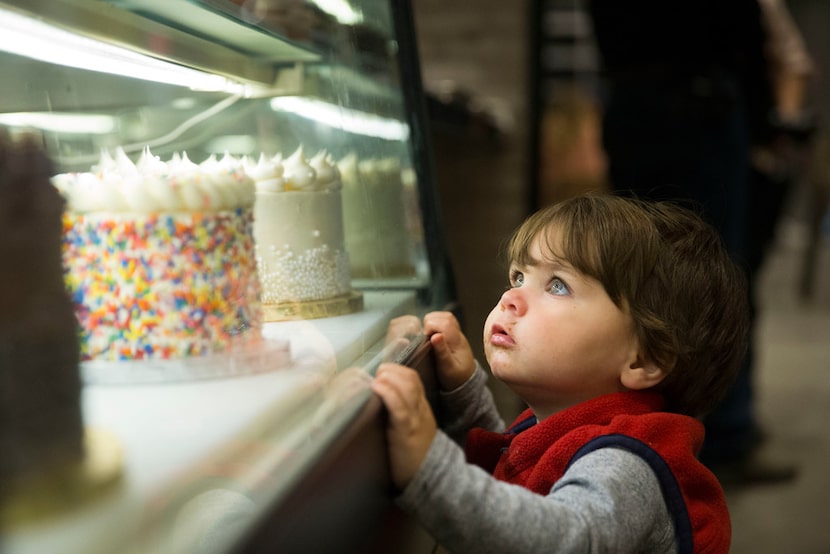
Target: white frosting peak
<point>105,163</point>
<point>267,174</point>
<point>328,176</point>
<point>298,174</point>
<point>151,185</point>
<point>348,168</point>
<point>148,164</point>
<point>123,164</point>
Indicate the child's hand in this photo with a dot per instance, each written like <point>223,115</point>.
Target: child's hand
<point>456,362</point>
<point>411,426</point>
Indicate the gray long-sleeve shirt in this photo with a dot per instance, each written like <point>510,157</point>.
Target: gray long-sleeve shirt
<point>607,501</point>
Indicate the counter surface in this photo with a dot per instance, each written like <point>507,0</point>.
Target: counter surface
<point>203,459</point>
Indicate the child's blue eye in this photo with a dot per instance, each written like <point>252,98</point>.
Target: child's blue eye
<point>517,279</point>
<point>558,287</point>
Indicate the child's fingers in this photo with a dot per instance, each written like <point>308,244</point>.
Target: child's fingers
<point>440,322</point>
<point>388,394</point>
<point>399,387</point>
<point>411,426</point>
<point>443,350</point>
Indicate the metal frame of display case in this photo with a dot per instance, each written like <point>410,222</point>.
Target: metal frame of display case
<point>443,292</point>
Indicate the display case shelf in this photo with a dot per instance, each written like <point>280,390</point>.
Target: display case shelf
<point>221,22</point>
<point>243,52</point>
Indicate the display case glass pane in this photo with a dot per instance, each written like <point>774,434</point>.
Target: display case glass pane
<point>247,209</point>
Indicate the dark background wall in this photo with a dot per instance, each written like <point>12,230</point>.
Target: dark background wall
<point>474,61</point>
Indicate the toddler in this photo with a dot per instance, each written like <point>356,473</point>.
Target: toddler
<point>623,323</point>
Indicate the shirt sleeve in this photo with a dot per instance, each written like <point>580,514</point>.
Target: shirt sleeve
<point>470,405</point>
<point>607,501</point>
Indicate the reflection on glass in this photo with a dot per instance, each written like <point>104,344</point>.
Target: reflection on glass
<point>34,39</point>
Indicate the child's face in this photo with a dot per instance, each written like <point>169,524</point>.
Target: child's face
<point>555,337</point>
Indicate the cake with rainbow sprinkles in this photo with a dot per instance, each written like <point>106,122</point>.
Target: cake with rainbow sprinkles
<point>159,257</point>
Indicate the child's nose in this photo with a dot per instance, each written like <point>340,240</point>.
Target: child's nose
<point>513,300</point>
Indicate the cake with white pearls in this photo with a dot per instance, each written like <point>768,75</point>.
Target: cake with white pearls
<point>298,229</point>
<point>159,257</point>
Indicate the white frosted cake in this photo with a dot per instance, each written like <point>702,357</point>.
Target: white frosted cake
<point>298,228</point>
<point>159,257</point>
<point>374,207</point>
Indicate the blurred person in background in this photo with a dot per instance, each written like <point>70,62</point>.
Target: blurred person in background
<point>777,163</point>
<point>689,105</point>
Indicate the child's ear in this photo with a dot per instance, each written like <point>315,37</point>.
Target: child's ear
<point>642,374</point>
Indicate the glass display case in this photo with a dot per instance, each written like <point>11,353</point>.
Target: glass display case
<point>142,105</point>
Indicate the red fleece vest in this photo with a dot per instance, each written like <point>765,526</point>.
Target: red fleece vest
<point>536,456</point>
